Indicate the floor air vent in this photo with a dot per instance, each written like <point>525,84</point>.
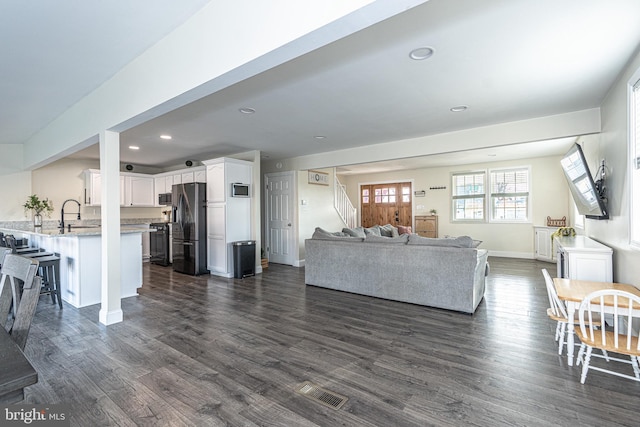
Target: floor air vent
<point>320,395</point>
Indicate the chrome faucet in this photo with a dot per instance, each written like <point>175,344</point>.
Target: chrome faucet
<point>62,213</point>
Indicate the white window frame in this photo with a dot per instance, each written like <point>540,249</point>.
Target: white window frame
<point>455,196</point>
<point>633,97</point>
<point>491,195</point>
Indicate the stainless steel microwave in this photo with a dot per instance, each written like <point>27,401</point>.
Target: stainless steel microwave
<point>164,199</point>
<point>240,190</point>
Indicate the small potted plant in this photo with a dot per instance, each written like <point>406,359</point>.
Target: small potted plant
<point>433,211</point>
<point>38,206</point>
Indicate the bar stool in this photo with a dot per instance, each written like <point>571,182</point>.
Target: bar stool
<point>49,270</point>
<point>10,242</point>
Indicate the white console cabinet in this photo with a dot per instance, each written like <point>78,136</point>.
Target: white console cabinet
<point>228,217</point>
<point>582,258</point>
<point>543,244</point>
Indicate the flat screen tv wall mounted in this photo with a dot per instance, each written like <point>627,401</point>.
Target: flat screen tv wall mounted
<point>589,195</point>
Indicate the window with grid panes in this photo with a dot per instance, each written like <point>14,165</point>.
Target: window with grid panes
<point>634,158</point>
<point>468,194</point>
<point>385,195</point>
<point>509,195</point>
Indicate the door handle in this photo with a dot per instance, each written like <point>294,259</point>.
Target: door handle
<point>289,225</point>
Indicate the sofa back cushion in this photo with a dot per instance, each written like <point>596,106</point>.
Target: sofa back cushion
<point>458,242</point>
<point>321,234</point>
<point>354,232</point>
<point>402,240</point>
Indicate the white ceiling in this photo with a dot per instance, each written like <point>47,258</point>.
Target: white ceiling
<point>506,60</point>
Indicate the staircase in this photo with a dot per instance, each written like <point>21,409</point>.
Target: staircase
<point>343,205</point>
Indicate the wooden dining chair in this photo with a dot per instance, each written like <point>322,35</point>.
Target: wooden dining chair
<point>558,311</point>
<point>618,336</point>
<point>19,290</point>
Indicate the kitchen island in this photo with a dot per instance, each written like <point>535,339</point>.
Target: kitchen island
<point>80,251</point>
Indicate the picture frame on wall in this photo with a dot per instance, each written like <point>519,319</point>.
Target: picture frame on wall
<point>319,178</point>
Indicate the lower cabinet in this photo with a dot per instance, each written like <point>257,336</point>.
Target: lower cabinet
<point>581,258</point>
<point>543,244</point>
<point>216,240</point>
<point>427,225</point>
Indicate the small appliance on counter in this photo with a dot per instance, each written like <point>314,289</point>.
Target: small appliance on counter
<point>159,243</point>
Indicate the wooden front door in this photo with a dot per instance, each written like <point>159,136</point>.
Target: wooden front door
<point>386,204</point>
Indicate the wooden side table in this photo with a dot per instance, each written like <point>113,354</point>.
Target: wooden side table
<point>427,225</point>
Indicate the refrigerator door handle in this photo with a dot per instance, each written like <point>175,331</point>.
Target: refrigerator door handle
<point>187,244</point>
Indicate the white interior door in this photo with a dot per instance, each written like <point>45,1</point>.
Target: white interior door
<point>280,218</point>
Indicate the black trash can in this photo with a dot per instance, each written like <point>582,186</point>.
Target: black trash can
<point>244,259</point>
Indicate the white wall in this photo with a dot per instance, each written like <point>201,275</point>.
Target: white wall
<point>318,211</point>
<point>613,147</point>
<point>549,197</point>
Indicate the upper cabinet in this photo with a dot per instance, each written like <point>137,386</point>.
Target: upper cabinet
<point>92,187</point>
<point>138,191</point>
<point>166,180</point>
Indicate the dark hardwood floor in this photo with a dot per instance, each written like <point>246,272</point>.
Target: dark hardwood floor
<point>207,351</point>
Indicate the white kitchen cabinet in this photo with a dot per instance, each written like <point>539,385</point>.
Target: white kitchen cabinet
<point>228,218</point>
<point>168,184</point>
<point>582,258</point>
<point>200,175</point>
<point>92,187</point>
<point>543,245</point>
<point>135,189</point>
<point>138,190</point>
<point>216,183</point>
<point>187,177</point>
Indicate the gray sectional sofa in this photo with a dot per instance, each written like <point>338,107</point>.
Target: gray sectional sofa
<point>443,273</point>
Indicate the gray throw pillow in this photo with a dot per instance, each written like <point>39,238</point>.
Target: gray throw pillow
<point>389,230</point>
<point>320,234</point>
<point>354,232</point>
<point>372,231</point>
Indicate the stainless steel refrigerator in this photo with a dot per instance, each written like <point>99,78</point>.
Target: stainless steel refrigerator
<point>189,228</point>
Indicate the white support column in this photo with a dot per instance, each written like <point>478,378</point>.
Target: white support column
<point>111,311</point>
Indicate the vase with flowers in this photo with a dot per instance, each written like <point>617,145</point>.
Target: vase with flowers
<point>38,207</point>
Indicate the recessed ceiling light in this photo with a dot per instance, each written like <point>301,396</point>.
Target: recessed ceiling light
<point>421,53</point>
<point>319,137</point>
<point>247,110</point>
<point>165,136</point>
<point>134,147</point>
<point>458,109</point>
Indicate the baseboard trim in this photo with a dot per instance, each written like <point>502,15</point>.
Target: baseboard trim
<point>110,317</point>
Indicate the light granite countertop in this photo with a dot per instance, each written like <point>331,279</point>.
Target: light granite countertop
<point>76,231</point>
